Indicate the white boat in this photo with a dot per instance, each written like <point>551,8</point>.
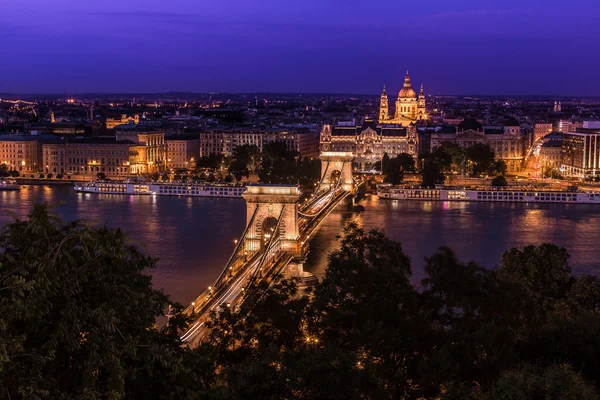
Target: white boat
<point>9,185</point>
<point>162,189</point>
<point>490,194</point>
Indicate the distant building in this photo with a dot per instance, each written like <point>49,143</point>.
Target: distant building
<point>183,151</point>
<point>111,123</point>
<point>551,152</point>
<point>150,152</point>
<point>370,141</point>
<point>409,108</point>
<point>507,141</point>
<point>87,157</point>
<point>21,152</point>
<point>224,140</point>
<point>581,152</point>
<point>540,130</point>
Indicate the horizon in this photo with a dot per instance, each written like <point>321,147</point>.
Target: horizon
<point>521,47</point>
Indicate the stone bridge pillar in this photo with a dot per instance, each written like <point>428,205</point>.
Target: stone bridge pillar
<point>271,199</point>
<point>337,162</point>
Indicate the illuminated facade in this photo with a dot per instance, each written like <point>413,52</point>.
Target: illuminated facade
<point>409,108</point>
<point>581,153</point>
<point>150,153</point>
<point>223,141</point>
<point>20,152</point>
<point>369,142</point>
<point>182,151</point>
<point>86,158</point>
<point>111,123</point>
<point>507,141</point>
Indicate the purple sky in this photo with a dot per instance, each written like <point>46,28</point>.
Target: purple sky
<point>546,47</point>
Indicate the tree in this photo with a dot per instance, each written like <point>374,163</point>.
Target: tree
<point>4,170</point>
<point>165,177</point>
<point>556,382</point>
<point>396,167</point>
<point>482,158</point>
<point>49,176</point>
<point>60,176</point>
<point>456,152</point>
<point>79,315</point>
<point>101,176</point>
<point>499,181</point>
<point>431,173</point>
<point>442,158</point>
<point>42,176</point>
<point>13,173</point>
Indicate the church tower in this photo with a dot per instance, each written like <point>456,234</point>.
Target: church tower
<point>421,111</point>
<point>406,105</point>
<point>383,106</point>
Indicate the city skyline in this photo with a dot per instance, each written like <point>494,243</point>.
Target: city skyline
<point>518,48</point>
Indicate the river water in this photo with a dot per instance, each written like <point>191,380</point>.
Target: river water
<point>193,237</point>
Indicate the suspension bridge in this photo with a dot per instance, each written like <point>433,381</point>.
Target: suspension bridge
<point>275,241</point>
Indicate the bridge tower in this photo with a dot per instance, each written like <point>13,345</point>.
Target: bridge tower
<point>337,162</point>
<point>266,205</point>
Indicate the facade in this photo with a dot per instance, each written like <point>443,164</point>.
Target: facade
<point>150,153</point>
<point>540,130</point>
<point>581,153</point>
<point>21,153</point>
<point>224,140</point>
<point>369,142</point>
<point>111,123</point>
<point>182,151</point>
<point>409,108</point>
<point>507,141</point>
<point>86,158</point>
<point>551,152</point>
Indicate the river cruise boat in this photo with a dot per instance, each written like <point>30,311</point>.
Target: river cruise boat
<point>489,194</point>
<point>9,185</point>
<point>162,189</point>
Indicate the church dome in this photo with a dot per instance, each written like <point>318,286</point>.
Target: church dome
<point>407,91</point>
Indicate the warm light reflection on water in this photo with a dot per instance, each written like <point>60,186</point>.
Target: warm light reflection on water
<point>193,236</point>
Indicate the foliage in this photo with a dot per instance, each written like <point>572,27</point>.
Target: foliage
<point>499,181</point>
<point>396,167</point>
<point>552,173</point>
<point>482,159</point>
<point>101,176</point>
<point>4,171</point>
<point>50,176</point>
<point>431,173</point>
<point>78,316</point>
<point>78,321</point>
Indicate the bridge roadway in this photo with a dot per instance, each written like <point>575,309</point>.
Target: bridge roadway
<point>265,267</point>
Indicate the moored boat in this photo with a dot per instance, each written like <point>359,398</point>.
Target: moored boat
<point>161,189</point>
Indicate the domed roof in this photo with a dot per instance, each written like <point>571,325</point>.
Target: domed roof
<point>470,124</point>
<point>407,91</point>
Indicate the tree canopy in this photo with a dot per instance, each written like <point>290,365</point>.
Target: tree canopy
<point>78,321</point>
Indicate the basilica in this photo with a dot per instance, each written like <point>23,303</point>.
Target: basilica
<point>409,108</point>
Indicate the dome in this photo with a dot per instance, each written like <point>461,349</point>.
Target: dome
<point>407,92</point>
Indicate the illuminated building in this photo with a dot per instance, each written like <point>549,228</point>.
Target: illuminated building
<point>581,151</point>
<point>370,141</point>
<point>540,130</point>
<point>409,108</point>
<point>182,151</point>
<point>86,158</point>
<point>20,152</point>
<point>111,123</point>
<point>150,154</point>
<point>507,141</point>
<point>224,140</point>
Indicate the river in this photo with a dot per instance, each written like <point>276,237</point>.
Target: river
<point>193,237</point>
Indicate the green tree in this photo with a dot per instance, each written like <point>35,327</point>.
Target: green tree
<point>431,173</point>
<point>49,176</point>
<point>4,170</point>
<point>14,173</point>
<point>482,158</point>
<point>499,181</point>
<point>101,176</point>
<point>79,317</point>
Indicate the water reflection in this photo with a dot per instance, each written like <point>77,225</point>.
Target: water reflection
<point>193,236</point>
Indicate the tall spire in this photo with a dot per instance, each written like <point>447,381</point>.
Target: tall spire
<point>407,80</point>
<point>422,92</point>
<point>384,92</point>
